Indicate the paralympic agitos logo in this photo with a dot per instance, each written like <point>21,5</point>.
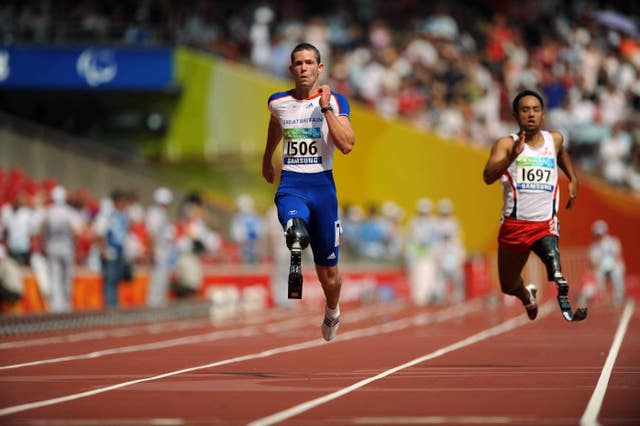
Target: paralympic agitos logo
<point>97,66</point>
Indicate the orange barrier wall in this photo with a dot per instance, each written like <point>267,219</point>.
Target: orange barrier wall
<point>361,283</point>
<point>597,201</point>
<point>86,294</point>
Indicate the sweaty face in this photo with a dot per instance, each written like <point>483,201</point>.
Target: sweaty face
<point>529,114</point>
<point>305,68</point>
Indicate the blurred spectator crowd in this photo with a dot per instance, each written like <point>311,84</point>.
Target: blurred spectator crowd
<point>449,67</point>
<point>55,232</point>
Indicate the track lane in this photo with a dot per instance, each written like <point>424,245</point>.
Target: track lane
<point>120,364</point>
<point>240,392</point>
<point>538,374</point>
<point>620,400</point>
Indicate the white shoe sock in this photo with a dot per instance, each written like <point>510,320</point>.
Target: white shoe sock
<point>332,313</point>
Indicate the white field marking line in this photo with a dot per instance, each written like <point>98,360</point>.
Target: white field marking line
<point>504,327</point>
<point>590,416</point>
<point>198,338</point>
<point>442,316</point>
<point>163,344</point>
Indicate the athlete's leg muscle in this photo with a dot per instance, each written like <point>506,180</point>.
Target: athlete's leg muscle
<point>510,264</point>
<point>331,283</point>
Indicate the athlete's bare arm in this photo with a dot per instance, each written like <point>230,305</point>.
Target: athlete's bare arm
<point>274,135</point>
<point>564,162</point>
<point>339,126</point>
<point>503,152</point>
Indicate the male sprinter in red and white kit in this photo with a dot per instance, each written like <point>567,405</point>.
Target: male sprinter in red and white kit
<point>313,122</point>
<point>527,163</point>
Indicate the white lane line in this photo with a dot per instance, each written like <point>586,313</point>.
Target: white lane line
<point>435,420</point>
<point>194,339</point>
<point>590,416</point>
<point>441,316</point>
<point>504,327</point>
<point>209,337</point>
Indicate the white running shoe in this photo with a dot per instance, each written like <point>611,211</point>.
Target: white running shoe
<point>532,306</point>
<point>330,327</point>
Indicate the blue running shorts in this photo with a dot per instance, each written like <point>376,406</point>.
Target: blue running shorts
<point>312,198</point>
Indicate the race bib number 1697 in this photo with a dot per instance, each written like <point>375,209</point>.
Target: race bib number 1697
<point>535,173</point>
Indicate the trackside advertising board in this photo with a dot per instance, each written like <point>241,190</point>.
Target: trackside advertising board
<point>89,67</point>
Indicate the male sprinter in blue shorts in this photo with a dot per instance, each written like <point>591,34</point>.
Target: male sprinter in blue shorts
<point>313,122</point>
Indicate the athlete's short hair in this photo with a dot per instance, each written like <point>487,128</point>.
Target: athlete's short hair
<point>306,46</point>
<point>524,93</point>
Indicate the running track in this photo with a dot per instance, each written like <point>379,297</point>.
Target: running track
<point>392,364</point>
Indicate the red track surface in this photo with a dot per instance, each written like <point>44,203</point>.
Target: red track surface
<point>468,365</point>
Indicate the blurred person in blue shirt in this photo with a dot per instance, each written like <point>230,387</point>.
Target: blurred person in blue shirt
<point>373,235</point>
<point>112,235</point>
<point>247,229</point>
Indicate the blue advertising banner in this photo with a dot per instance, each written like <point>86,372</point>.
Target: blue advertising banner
<point>86,68</point>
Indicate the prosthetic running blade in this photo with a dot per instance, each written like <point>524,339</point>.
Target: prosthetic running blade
<point>295,275</point>
<point>565,306</point>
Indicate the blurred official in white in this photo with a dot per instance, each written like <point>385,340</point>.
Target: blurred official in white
<point>605,254</point>
<point>162,233</point>
<point>60,227</point>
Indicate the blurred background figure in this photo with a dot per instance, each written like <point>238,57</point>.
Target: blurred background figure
<point>247,229</point>
<point>615,150</point>
<point>448,223</point>
<point>138,245</point>
<point>60,227</point>
<point>11,281</point>
<point>260,37</point>
<point>280,259</point>
<point>97,225</point>
<point>419,252</point>
<point>18,222</point>
<point>163,252</point>
<point>195,239</point>
<point>449,256</point>
<point>605,254</point>
<point>373,235</point>
<point>392,215</point>
<point>351,220</point>
<point>111,234</point>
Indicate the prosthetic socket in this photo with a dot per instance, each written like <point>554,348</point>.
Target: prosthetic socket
<point>296,235</point>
